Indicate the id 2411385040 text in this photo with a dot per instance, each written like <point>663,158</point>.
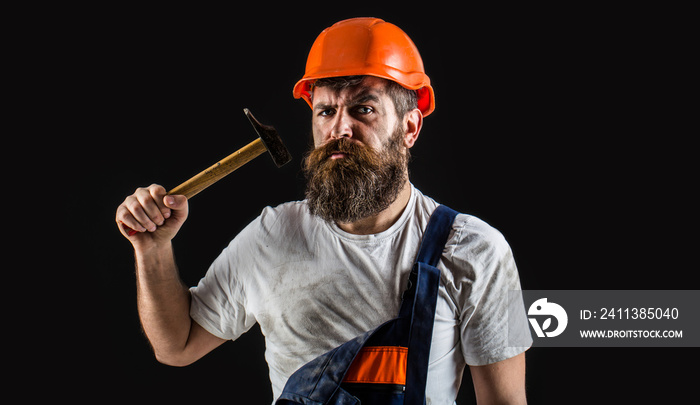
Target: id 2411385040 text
<point>630,313</point>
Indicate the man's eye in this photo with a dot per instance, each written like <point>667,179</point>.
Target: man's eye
<point>365,110</point>
<point>326,113</point>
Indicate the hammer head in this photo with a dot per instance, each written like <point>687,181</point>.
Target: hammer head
<point>273,142</point>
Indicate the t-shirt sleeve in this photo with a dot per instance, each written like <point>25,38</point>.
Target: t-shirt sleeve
<point>218,301</point>
<point>492,317</point>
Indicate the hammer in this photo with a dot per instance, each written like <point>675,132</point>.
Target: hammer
<point>268,140</point>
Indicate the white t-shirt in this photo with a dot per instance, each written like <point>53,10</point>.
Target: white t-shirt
<point>311,287</point>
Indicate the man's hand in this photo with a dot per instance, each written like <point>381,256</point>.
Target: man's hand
<point>155,216</point>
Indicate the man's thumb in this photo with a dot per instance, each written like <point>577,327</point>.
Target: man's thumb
<point>175,202</point>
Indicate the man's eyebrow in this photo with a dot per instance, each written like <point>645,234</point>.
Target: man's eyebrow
<point>363,98</point>
<point>322,106</point>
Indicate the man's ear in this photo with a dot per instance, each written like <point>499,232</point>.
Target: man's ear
<point>413,122</point>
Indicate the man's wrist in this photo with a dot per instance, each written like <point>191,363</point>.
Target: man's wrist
<point>153,256</point>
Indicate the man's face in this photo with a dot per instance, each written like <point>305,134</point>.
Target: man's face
<point>359,163</point>
<point>363,114</point>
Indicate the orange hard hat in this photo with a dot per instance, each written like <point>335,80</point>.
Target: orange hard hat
<point>367,46</point>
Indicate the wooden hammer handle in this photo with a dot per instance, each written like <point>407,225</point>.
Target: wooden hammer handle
<point>218,170</point>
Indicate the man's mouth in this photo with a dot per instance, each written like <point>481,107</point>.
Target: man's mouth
<point>338,155</point>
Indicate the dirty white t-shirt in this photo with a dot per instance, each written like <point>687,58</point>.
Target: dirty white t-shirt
<point>311,287</point>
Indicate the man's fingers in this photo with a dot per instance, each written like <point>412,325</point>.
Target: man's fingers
<point>136,206</point>
<point>151,207</point>
<point>146,210</point>
<point>125,218</point>
<point>157,193</point>
<point>152,210</point>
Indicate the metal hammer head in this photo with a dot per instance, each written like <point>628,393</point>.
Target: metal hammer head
<point>273,142</point>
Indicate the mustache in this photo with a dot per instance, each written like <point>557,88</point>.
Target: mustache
<point>342,145</point>
<point>355,152</point>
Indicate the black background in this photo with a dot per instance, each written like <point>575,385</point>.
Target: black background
<point>558,126</point>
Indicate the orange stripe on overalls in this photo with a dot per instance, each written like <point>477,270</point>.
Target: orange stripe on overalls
<point>379,365</point>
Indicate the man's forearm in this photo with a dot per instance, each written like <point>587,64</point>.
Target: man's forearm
<point>163,302</point>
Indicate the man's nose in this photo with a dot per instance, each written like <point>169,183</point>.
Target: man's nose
<point>342,126</point>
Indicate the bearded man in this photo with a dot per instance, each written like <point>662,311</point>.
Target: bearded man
<point>317,273</point>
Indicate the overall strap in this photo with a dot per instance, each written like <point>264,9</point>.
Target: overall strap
<point>420,301</point>
<point>436,235</point>
<point>431,247</point>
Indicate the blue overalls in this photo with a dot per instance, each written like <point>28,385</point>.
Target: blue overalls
<point>387,365</point>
